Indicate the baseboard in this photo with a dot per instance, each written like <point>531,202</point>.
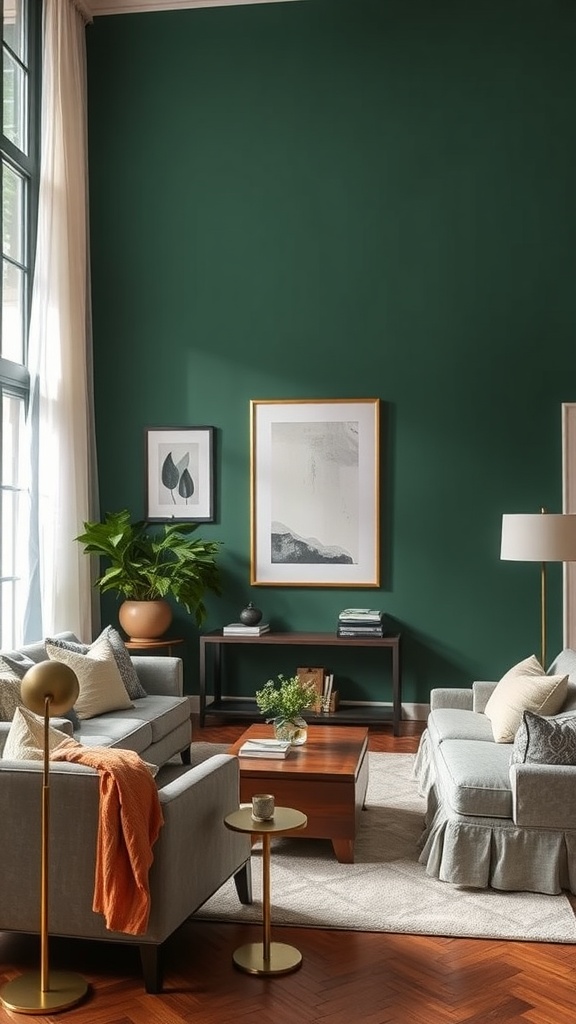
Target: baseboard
<point>410,712</point>
<point>415,712</point>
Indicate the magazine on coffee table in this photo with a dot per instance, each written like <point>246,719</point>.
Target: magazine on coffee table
<point>265,748</point>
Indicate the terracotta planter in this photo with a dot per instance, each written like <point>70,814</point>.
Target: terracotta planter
<point>145,620</point>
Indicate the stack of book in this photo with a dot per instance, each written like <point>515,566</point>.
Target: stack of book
<point>361,622</point>
<point>265,748</point>
<point>239,629</point>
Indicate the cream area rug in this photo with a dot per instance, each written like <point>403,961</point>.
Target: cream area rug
<point>386,889</point>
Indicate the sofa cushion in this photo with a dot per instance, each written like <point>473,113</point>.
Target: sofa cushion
<point>474,778</point>
<point>545,740</point>
<point>36,651</point>
<point>101,686</point>
<point>113,730</point>
<point>25,740</point>
<point>164,713</point>
<point>130,679</point>
<point>525,687</point>
<point>457,724</point>
<point>565,664</point>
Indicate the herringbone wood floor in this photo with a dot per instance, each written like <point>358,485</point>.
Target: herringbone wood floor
<point>345,977</point>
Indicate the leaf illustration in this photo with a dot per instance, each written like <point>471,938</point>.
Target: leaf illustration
<point>170,474</point>
<point>186,485</point>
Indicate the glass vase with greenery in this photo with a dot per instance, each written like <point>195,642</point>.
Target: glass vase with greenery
<point>284,704</point>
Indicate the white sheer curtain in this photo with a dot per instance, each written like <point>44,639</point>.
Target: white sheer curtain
<point>63,485</point>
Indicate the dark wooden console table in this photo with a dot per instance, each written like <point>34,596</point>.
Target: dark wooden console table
<point>211,645</point>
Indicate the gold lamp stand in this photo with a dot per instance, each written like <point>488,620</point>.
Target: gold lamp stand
<point>48,689</point>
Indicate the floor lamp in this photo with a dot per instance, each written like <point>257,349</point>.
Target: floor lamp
<point>49,688</point>
<point>540,537</point>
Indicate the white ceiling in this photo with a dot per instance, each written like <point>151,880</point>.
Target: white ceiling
<point>132,6</point>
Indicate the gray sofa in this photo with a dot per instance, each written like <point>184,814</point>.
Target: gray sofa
<point>194,855</point>
<point>156,728</point>
<point>490,822</point>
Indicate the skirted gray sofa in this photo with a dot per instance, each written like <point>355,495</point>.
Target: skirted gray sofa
<point>193,856</point>
<point>497,817</point>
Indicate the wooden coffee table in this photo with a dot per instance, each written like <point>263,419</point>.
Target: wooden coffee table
<point>326,779</point>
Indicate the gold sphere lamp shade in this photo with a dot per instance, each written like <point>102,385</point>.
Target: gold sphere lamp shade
<point>53,681</point>
<point>48,689</point>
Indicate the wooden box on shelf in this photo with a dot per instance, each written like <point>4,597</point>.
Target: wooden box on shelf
<point>314,676</point>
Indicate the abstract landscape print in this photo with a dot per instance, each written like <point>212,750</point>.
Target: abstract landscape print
<point>315,492</point>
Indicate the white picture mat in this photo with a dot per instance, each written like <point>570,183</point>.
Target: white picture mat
<point>315,469</point>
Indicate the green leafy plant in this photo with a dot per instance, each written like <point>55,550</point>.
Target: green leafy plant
<point>145,565</point>
<point>286,701</point>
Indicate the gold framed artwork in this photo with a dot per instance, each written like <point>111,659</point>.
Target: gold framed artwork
<point>569,505</point>
<point>315,492</point>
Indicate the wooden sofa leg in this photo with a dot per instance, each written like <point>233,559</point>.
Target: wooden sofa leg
<point>151,960</point>
<point>243,883</point>
<point>186,756</point>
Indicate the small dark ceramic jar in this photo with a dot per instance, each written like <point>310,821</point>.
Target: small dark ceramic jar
<point>250,615</point>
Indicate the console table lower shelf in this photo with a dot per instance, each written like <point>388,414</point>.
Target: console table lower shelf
<point>266,957</point>
<point>347,714</point>
<point>214,644</point>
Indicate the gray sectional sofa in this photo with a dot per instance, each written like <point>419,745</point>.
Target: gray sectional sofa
<point>194,855</point>
<point>491,821</point>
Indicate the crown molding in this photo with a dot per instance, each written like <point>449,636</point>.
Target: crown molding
<point>138,6</point>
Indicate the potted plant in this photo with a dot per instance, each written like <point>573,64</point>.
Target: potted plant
<point>146,567</point>
<point>284,705</point>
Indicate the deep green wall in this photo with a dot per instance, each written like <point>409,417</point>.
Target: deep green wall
<point>348,198</point>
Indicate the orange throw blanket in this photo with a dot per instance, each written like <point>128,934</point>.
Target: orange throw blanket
<point>129,824</point>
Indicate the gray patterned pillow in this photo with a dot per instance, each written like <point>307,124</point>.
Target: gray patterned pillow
<point>17,665</point>
<point>10,698</point>
<point>545,740</point>
<point>122,658</point>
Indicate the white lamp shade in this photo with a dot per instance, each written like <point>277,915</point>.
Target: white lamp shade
<point>541,537</point>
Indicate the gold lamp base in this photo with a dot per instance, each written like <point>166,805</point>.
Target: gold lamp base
<point>25,995</point>
<point>283,959</point>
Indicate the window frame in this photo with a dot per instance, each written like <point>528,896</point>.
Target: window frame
<point>15,376</point>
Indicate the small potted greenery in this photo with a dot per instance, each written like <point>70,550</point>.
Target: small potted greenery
<point>284,705</point>
<point>145,567</point>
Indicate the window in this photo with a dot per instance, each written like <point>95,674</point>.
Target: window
<point>19,173</point>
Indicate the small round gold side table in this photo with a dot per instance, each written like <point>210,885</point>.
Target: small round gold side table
<point>266,957</point>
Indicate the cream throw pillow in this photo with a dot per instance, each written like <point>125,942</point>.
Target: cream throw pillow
<point>525,687</point>
<point>25,739</point>
<point>100,682</point>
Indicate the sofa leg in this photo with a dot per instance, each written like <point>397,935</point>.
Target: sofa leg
<point>186,756</point>
<point>151,960</point>
<point>243,883</point>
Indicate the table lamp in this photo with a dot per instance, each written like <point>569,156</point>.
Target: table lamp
<point>48,688</point>
<point>540,537</point>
